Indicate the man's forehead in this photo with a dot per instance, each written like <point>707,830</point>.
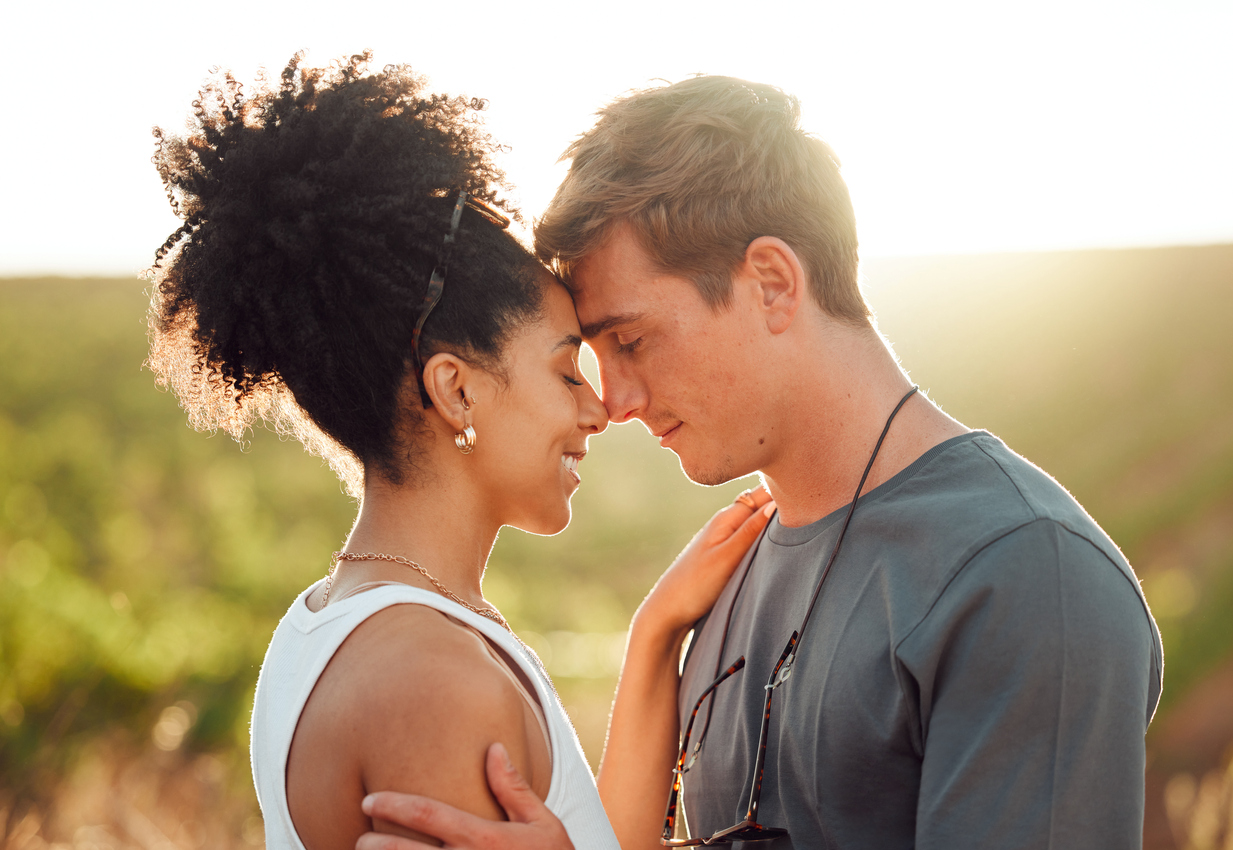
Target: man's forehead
<point>619,261</point>
<point>605,303</point>
<point>607,292</point>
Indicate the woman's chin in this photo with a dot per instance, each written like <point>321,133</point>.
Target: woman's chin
<point>548,523</point>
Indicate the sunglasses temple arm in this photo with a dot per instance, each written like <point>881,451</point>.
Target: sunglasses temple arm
<point>436,286</point>
<point>755,793</point>
<point>679,772</point>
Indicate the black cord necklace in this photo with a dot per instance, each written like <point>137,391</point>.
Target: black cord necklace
<point>786,669</point>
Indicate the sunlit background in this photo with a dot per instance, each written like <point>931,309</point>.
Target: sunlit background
<point>1043,196</point>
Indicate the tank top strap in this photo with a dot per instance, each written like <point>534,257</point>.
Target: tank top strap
<point>499,655</point>
<point>516,676</point>
<point>360,588</point>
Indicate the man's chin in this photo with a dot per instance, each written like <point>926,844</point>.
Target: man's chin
<point>709,474</point>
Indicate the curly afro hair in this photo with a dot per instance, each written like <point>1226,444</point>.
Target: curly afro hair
<point>314,213</point>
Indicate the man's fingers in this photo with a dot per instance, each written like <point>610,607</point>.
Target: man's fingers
<point>511,790</point>
<point>424,815</point>
<point>531,825</point>
<point>544,830</point>
<point>377,841</point>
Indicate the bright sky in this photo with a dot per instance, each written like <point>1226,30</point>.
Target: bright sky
<point>962,127</point>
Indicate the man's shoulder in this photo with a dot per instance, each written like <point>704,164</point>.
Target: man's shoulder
<point>981,490</point>
<point>1000,541</point>
<point>972,505</point>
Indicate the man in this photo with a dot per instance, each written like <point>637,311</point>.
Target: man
<point>980,665</point>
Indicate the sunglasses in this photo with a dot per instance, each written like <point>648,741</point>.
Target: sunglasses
<point>748,829</point>
<point>436,283</point>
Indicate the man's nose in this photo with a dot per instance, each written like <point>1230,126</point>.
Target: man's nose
<point>623,395</point>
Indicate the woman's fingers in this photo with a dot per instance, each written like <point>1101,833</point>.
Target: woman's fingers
<point>738,542</point>
<point>733,519</point>
<point>698,575</point>
<point>760,496</point>
<point>752,526</point>
<point>728,519</point>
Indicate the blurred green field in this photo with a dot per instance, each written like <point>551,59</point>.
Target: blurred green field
<point>143,566</point>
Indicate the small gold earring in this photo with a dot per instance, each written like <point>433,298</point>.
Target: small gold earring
<point>465,440</point>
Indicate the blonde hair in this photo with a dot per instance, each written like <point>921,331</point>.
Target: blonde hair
<point>698,170</point>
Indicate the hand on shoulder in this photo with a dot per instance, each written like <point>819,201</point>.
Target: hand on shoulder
<point>531,825</point>
<point>688,589</point>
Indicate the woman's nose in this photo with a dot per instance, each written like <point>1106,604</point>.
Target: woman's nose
<point>592,415</point>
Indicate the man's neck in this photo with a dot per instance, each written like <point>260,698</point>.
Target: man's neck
<point>839,404</point>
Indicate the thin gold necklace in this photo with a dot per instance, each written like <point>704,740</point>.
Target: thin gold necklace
<point>490,613</point>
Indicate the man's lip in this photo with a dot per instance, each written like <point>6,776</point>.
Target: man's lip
<point>663,435</point>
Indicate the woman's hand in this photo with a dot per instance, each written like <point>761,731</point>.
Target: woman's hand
<point>643,733</point>
<point>689,588</point>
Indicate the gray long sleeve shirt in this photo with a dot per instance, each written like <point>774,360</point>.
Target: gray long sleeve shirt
<point>979,671</point>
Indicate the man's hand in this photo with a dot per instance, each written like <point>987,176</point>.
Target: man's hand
<point>530,827</point>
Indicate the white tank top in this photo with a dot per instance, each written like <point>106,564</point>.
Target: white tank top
<point>303,645</point>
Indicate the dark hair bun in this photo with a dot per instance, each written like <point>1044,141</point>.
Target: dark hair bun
<point>314,212</point>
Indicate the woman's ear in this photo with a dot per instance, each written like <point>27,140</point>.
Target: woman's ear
<point>447,380</point>
<point>779,280</point>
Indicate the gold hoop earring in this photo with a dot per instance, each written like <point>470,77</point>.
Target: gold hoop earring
<point>465,440</point>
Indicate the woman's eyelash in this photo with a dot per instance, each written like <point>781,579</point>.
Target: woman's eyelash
<point>574,382</point>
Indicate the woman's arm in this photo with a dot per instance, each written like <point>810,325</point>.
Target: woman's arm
<point>635,773</point>
<point>410,702</point>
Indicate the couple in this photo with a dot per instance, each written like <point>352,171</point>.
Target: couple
<point>957,658</point>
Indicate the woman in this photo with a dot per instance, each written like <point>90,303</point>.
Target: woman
<point>344,273</point>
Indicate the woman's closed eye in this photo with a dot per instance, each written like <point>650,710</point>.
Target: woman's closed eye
<point>573,382</point>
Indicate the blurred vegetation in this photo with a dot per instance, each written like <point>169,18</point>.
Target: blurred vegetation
<point>1200,810</point>
<point>143,566</point>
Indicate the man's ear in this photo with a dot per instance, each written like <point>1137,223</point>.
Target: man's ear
<point>446,379</point>
<point>779,280</point>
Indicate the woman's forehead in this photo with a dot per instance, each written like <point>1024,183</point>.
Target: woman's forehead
<point>559,311</point>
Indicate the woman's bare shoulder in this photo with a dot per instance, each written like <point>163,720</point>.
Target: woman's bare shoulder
<point>410,702</point>
<point>416,658</point>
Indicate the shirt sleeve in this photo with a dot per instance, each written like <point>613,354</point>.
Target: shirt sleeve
<point>1035,675</point>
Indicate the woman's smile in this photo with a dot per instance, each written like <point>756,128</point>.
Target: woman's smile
<point>570,461</point>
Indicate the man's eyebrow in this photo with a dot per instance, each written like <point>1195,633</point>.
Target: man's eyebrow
<point>568,341</point>
<point>594,329</point>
